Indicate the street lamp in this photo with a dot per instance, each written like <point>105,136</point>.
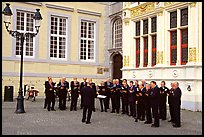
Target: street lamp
<point>22,36</point>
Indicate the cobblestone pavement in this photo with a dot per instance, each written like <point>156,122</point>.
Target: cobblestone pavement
<point>39,121</point>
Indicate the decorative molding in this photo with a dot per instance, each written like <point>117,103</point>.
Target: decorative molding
<point>169,3</point>
<point>192,54</point>
<point>126,61</point>
<point>159,57</point>
<point>59,7</point>
<point>89,12</point>
<point>127,22</point>
<point>193,4</point>
<point>100,70</point>
<point>160,13</point>
<point>34,3</point>
<point>142,9</point>
<point>175,73</point>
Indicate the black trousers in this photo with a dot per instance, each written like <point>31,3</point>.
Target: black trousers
<point>171,111</point>
<point>73,102</point>
<point>162,108</point>
<point>148,112</point>
<point>117,103</point>
<point>62,100</point>
<point>85,108</point>
<point>113,101</point>
<point>103,104</point>
<point>140,109</point>
<point>125,105</point>
<point>81,105</point>
<point>177,113</point>
<point>46,101</point>
<point>132,108</point>
<point>50,99</point>
<point>155,110</point>
<point>107,101</point>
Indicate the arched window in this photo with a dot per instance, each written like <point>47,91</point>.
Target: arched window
<point>117,33</point>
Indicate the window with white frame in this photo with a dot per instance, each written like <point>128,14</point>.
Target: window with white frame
<point>25,23</point>
<point>117,33</point>
<point>58,37</point>
<point>87,41</point>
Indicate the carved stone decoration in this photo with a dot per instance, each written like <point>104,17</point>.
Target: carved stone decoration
<point>124,64</point>
<point>127,23</point>
<point>99,70</point>
<point>142,9</point>
<point>193,4</point>
<point>159,57</point>
<point>126,61</point>
<point>127,57</point>
<point>175,73</point>
<point>150,73</point>
<point>192,54</point>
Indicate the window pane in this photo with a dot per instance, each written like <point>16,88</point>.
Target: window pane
<point>173,55</point>
<point>184,17</point>
<point>154,41</point>
<point>117,33</point>
<point>137,52</point>
<point>184,36</point>
<point>145,51</point>
<point>138,28</point>
<point>184,54</point>
<point>174,38</point>
<point>145,26</point>
<point>173,19</point>
<point>153,24</point>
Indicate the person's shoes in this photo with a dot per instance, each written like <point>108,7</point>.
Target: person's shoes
<point>88,122</point>
<point>105,110</point>
<point>154,125</point>
<point>83,120</point>
<point>53,110</point>
<point>44,107</point>
<point>174,125</point>
<point>142,119</point>
<point>94,110</point>
<point>123,112</point>
<point>101,110</point>
<point>164,119</point>
<point>147,122</point>
<point>48,109</point>
<point>112,111</point>
<point>170,121</point>
<point>136,120</point>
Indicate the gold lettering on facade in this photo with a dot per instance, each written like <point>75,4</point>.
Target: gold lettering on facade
<point>193,4</point>
<point>169,3</point>
<point>159,57</point>
<point>192,54</point>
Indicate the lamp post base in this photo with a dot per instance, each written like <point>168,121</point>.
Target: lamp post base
<point>20,106</point>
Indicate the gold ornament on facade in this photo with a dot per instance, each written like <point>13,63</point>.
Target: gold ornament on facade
<point>192,54</point>
<point>193,4</point>
<point>142,9</point>
<point>126,61</point>
<point>159,57</point>
<point>160,13</point>
<point>169,3</point>
<point>127,23</point>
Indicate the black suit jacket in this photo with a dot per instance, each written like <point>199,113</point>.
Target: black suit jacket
<point>176,97</point>
<point>154,95</point>
<point>48,87</point>
<point>88,95</point>
<point>74,92</point>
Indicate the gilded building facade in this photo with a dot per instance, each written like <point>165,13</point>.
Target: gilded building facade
<point>73,41</point>
<point>163,41</point>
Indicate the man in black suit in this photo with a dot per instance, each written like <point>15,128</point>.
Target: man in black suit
<point>147,104</point>
<point>108,85</point>
<point>162,104</point>
<point>74,93</point>
<point>50,96</point>
<point>93,85</point>
<point>170,102</point>
<point>154,99</point>
<point>140,102</point>
<point>88,98</point>
<point>63,87</point>
<point>176,99</point>
<point>132,99</point>
<point>82,85</point>
<point>117,96</point>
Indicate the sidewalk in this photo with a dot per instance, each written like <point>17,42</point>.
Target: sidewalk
<point>39,121</point>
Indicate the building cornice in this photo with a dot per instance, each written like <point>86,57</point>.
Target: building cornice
<point>59,7</point>
<point>89,12</point>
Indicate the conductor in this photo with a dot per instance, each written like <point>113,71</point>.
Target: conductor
<point>88,98</point>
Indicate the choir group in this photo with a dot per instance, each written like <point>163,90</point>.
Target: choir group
<point>139,99</point>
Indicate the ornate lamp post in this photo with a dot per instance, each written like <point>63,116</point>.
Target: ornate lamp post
<point>22,36</point>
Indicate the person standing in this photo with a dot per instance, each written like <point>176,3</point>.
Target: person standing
<point>50,96</point>
<point>136,99</point>
<point>117,96</point>
<point>93,85</point>
<point>63,86</point>
<point>176,99</point>
<point>113,96</point>
<point>162,104</point>
<point>170,102</point>
<point>124,97</point>
<point>82,85</point>
<point>132,99</point>
<point>74,94</point>
<point>154,101</point>
<point>141,106</point>
<point>88,98</point>
<point>147,105</point>
<point>108,85</point>
<point>102,91</point>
